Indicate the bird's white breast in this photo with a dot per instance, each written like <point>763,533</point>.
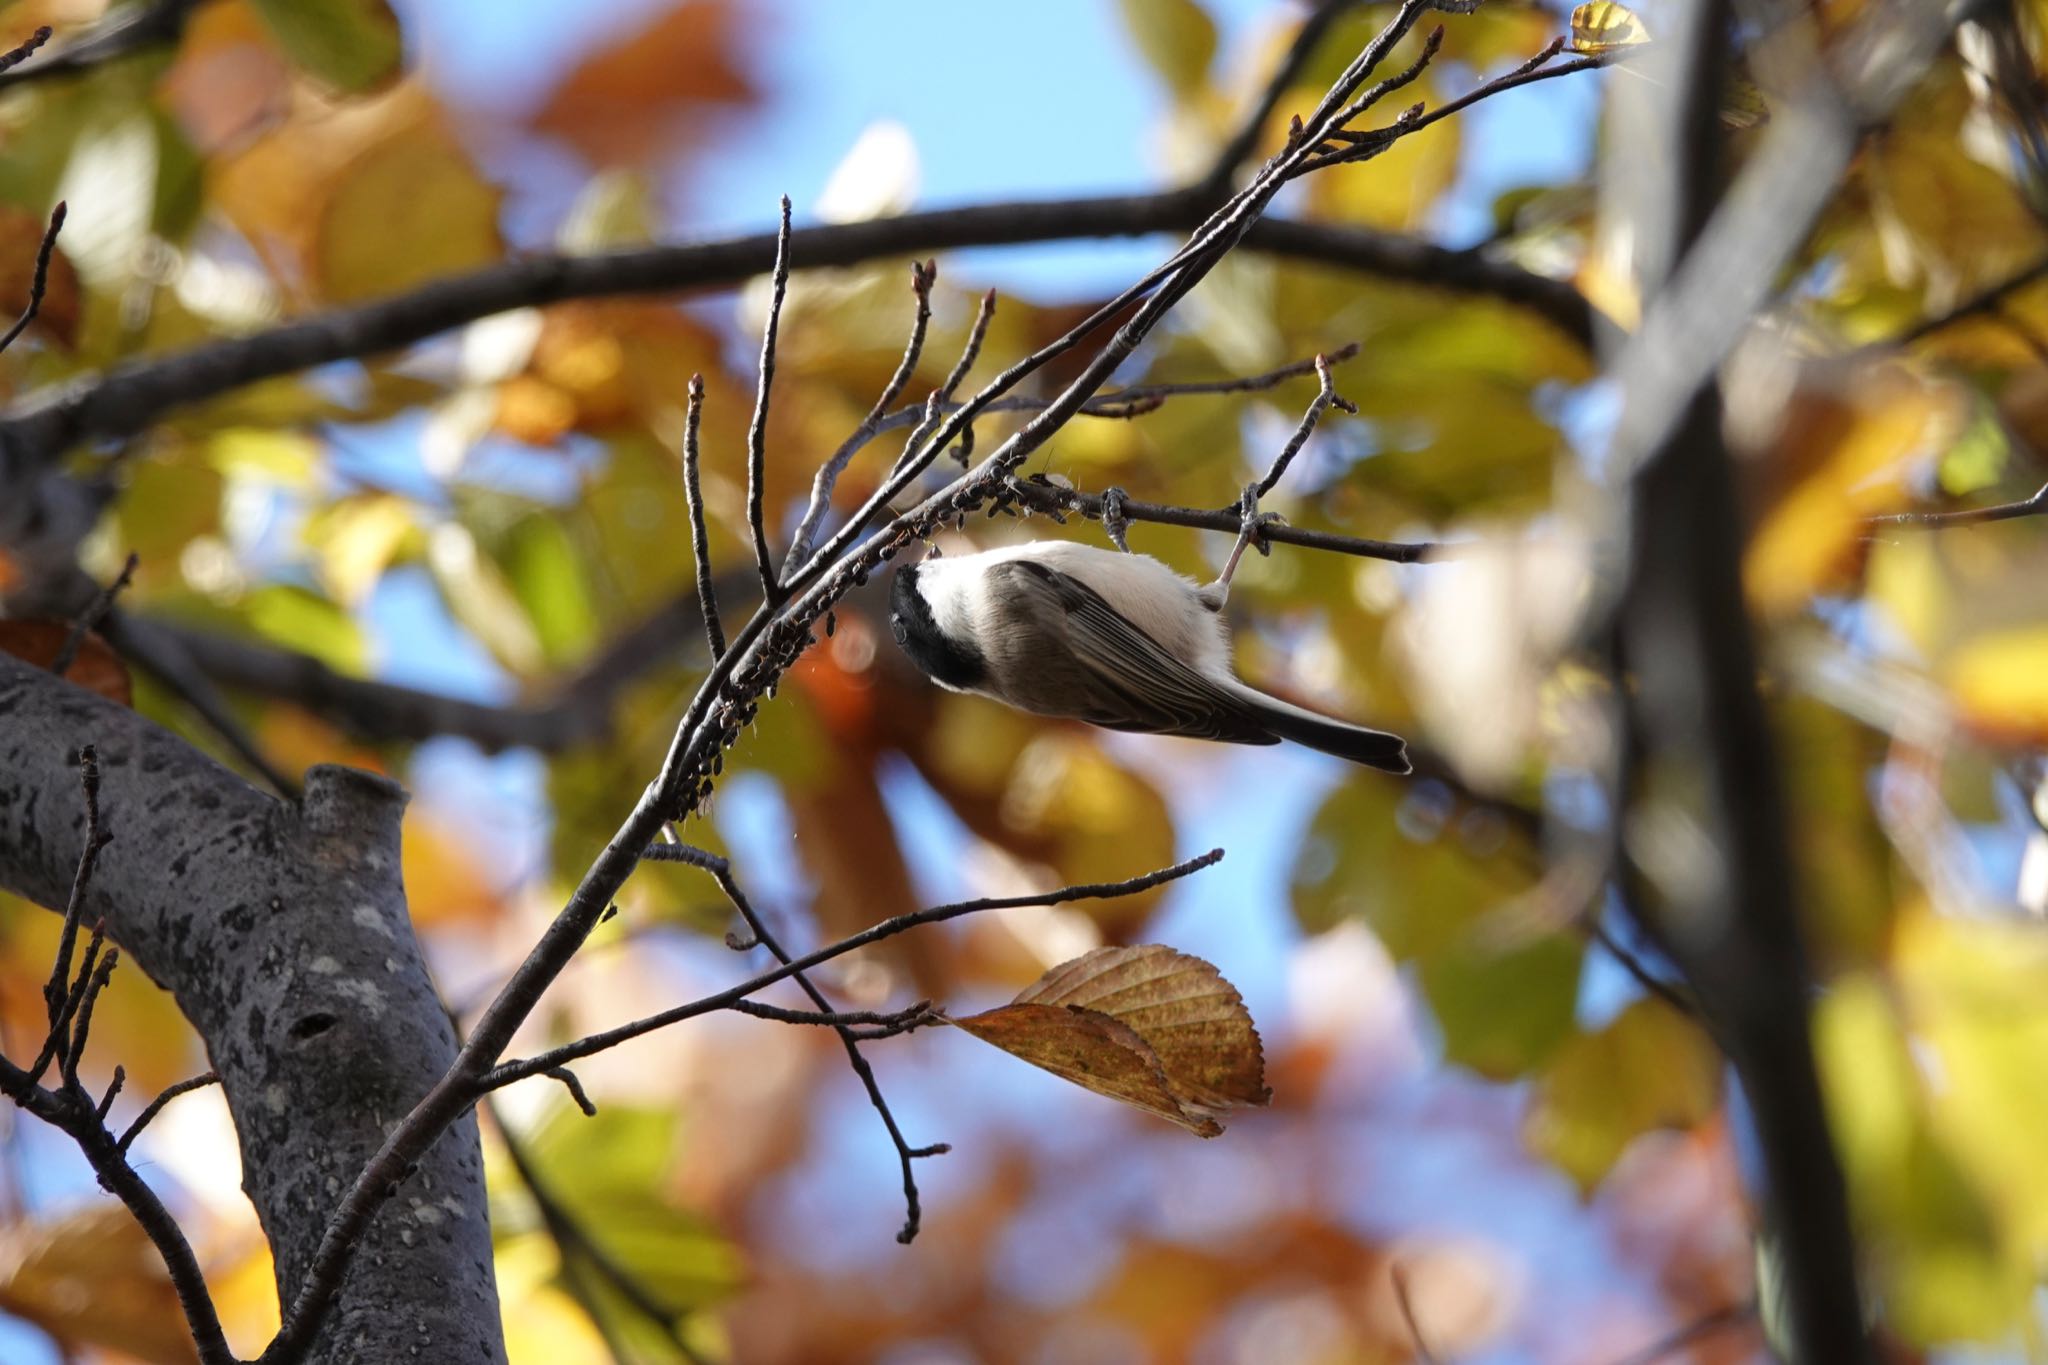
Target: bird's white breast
<point>1151,596</point>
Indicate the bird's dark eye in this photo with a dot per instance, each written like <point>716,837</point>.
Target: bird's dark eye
<point>898,627</point>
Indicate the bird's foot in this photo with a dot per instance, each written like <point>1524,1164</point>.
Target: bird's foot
<point>1114,522</point>
<point>1251,532</point>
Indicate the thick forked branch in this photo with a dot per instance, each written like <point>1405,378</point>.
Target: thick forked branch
<point>226,897</point>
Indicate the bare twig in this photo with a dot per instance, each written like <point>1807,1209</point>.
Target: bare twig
<point>89,619</point>
<point>1326,398</point>
<point>1053,498</point>
<point>922,274</point>
<point>875,1025</point>
<point>578,1096</point>
<point>15,56</point>
<point>1399,1274</point>
<point>156,1106</point>
<point>1671,994</point>
<point>2031,505</point>
<point>518,1070</point>
<point>162,654</point>
<point>1252,126</point>
<point>700,538</point>
<point>39,281</point>
<point>123,33</point>
<point>757,430</point>
<point>58,987</point>
<point>1985,301</point>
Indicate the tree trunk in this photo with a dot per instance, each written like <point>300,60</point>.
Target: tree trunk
<point>282,931</point>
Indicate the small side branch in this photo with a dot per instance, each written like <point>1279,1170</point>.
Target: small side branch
<point>519,1069</point>
<point>39,282</point>
<point>700,538</point>
<point>870,1025</point>
<point>922,275</point>
<point>89,619</point>
<point>156,1106</point>
<point>757,430</point>
<point>2032,505</point>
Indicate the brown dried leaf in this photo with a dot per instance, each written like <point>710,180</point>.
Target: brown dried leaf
<point>96,668</point>
<point>1147,1025</point>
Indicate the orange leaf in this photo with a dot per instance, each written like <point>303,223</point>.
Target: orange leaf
<point>91,1278</point>
<point>1147,1025</point>
<point>96,668</point>
<point>618,105</point>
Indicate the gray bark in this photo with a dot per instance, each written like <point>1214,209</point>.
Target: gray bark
<point>282,932</point>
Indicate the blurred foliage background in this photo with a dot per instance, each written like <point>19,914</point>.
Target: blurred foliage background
<point>1489,1142</point>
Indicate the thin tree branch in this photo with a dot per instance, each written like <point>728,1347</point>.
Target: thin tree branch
<point>160,24</point>
<point>26,48</point>
<point>162,654</point>
<point>1052,498</point>
<point>881,1025</point>
<point>573,1239</point>
<point>922,274</point>
<point>700,538</point>
<point>156,1106</point>
<point>1242,143</point>
<point>1985,301</point>
<point>1326,398</point>
<point>89,619</point>
<point>2031,505</point>
<point>757,430</point>
<point>132,397</point>
<point>519,1069</point>
<point>39,281</point>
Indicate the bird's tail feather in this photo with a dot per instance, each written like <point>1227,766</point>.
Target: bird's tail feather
<point>1372,748</point>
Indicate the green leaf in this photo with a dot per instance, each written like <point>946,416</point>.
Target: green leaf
<point>304,621</point>
<point>547,577</point>
<point>1391,856</point>
<point>1504,1012</point>
<point>1650,1067</point>
<point>353,44</point>
<point>608,1172</point>
<point>1177,37</point>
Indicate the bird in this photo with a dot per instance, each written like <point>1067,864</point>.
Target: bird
<point>1116,639</point>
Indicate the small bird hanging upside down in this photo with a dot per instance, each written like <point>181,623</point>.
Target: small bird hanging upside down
<point>1117,640</point>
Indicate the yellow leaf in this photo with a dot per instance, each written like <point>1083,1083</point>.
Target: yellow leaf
<point>1603,26</point>
<point>1650,1067</point>
<point>1177,38</point>
<point>91,1278</point>
<point>411,209</point>
<point>1838,458</point>
<point>1152,1027</point>
<point>2000,683</point>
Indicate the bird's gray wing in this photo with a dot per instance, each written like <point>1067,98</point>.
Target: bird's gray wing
<point>1115,675</point>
